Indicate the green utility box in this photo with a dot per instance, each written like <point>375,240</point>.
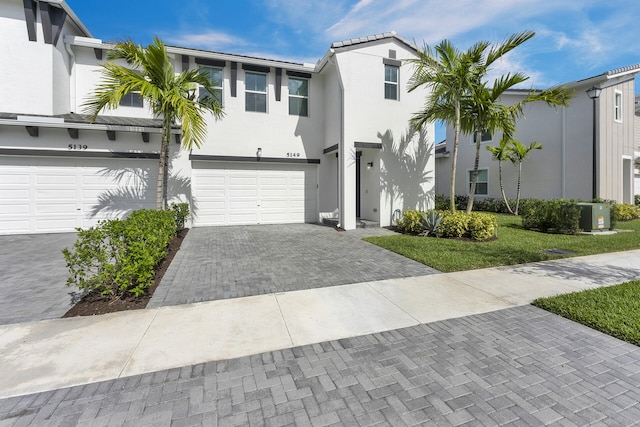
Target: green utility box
<point>595,216</point>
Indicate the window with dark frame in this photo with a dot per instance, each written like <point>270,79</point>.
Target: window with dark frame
<point>255,92</point>
<point>298,97</point>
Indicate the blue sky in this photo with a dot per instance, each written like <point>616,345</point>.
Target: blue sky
<point>574,39</point>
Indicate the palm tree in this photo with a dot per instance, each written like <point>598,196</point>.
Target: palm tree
<point>449,74</point>
<point>501,153</point>
<point>171,96</point>
<point>484,113</point>
<point>518,154</point>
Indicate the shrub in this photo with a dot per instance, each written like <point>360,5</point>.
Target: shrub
<point>411,222</point>
<point>482,226</point>
<point>441,202</point>
<point>180,214</point>
<point>625,212</point>
<point>118,257</point>
<point>560,216</point>
<point>431,223</point>
<point>454,224</point>
<point>636,199</point>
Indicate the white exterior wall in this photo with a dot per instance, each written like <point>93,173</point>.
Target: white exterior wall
<point>370,118</point>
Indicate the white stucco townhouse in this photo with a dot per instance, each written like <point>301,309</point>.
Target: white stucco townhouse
<point>564,168</point>
<point>299,142</point>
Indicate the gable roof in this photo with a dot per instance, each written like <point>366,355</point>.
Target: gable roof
<point>373,38</point>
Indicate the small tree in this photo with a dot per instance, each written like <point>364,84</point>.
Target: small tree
<point>518,154</point>
<point>501,153</point>
<point>171,96</point>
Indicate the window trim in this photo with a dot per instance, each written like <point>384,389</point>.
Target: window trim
<point>265,93</point>
<point>220,88</point>
<point>469,173</point>
<point>617,106</point>
<point>289,78</point>
<point>390,82</point>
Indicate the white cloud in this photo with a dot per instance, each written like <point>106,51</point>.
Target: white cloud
<point>209,40</point>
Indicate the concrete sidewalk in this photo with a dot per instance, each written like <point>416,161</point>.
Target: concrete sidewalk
<point>51,354</point>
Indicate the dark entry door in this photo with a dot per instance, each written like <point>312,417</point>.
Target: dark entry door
<point>358,154</point>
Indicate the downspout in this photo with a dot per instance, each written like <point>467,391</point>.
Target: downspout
<point>72,77</point>
<point>564,151</point>
<point>342,152</point>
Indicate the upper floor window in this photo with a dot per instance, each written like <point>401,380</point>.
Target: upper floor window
<point>482,182</point>
<point>486,136</point>
<point>132,99</point>
<point>255,92</point>
<point>617,107</point>
<point>390,82</point>
<point>298,97</point>
<point>215,78</point>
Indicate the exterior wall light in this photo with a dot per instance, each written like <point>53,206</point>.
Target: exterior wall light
<point>369,165</point>
<point>259,153</point>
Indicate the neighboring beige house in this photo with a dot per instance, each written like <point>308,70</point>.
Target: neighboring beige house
<point>564,167</point>
<point>299,142</point>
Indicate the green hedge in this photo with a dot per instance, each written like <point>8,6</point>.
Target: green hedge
<point>559,216</point>
<point>119,257</point>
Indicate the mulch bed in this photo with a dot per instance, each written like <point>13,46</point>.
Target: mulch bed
<point>93,303</point>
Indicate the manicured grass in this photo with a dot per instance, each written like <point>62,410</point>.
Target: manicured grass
<point>513,246</point>
<point>614,310</point>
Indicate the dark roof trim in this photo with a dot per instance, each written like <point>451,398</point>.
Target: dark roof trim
<point>392,62</point>
<point>86,154</point>
<point>211,62</point>
<point>201,157</point>
<point>255,68</point>
<point>330,149</point>
<point>374,145</point>
<point>298,74</point>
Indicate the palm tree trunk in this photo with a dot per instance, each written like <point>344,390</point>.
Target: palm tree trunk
<point>518,193</point>
<point>454,160</point>
<point>504,196</point>
<point>163,169</point>
<point>474,176</point>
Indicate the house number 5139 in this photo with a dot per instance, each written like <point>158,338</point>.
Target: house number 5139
<point>78,147</point>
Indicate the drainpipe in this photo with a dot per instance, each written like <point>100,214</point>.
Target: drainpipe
<point>72,77</point>
<point>342,152</point>
<point>564,151</point>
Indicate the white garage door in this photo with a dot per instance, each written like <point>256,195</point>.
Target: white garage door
<point>227,194</point>
<point>49,195</point>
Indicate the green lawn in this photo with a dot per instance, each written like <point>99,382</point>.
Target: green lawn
<point>614,310</point>
<point>513,246</point>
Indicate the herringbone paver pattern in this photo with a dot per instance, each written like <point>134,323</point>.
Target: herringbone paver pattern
<point>520,366</point>
<point>230,262</point>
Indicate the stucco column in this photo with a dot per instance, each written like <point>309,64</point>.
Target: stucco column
<point>347,164</point>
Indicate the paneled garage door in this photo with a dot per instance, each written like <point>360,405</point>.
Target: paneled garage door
<point>227,194</point>
<point>49,195</point>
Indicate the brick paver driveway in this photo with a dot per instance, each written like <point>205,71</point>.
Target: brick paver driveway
<point>520,366</point>
<point>229,262</point>
<point>33,273</point>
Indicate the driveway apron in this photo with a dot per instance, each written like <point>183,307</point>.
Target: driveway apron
<point>238,261</point>
<point>33,273</point>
